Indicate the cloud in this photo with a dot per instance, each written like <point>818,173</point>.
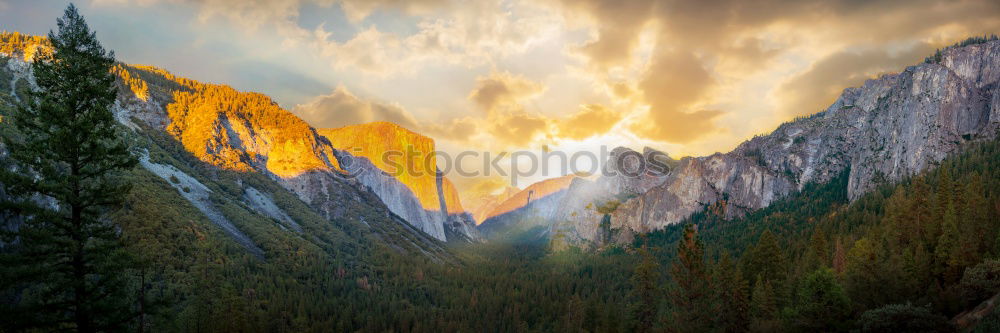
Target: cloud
<point>518,129</point>
<point>489,185</point>
<point>592,120</point>
<point>341,108</point>
<point>503,90</point>
<point>818,87</point>
<point>618,26</point>
<point>472,34</point>
<point>501,96</point>
<point>445,31</point>
<point>458,129</point>
<point>699,54</point>
<point>507,124</point>
<point>672,86</point>
<point>358,10</point>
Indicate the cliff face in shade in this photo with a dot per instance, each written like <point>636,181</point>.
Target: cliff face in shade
<point>396,195</point>
<point>535,205</point>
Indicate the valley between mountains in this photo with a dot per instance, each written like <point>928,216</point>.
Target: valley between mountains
<point>250,219</point>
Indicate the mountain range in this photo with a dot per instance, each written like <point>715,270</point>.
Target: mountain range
<point>891,127</point>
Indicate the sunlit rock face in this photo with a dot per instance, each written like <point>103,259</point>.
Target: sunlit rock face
<point>889,128</point>
<point>417,169</point>
<point>398,166</point>
<point>23,47</point>
<point>533,206</point>
<point>227,128</point>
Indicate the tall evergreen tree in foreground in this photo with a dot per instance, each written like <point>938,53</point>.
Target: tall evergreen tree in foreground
<point>645,292</point>
<point>691,295</point>
<point>63,264</point>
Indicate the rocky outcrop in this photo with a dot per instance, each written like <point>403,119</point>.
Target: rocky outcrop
<point>405,155</point>
<point>629,172</point>
<point>199,196</point>
<point>264,204</point>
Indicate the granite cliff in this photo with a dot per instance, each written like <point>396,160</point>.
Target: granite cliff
<point>889,128</point>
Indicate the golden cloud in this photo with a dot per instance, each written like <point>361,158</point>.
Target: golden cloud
<point>703,50</point>
<point>592,120</point>
<point>342,108</point>
<point>674,83</point>
<point>458,129</point>
<point>503,90</point>
<point>815,89</point>
<point>518,129</point>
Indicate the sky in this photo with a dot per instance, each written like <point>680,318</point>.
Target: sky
<point>689,78</point>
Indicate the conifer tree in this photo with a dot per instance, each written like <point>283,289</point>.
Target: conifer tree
<point>763,306</point>
<point>821,303</point>
<point>645,292</point>
<point>839,257</point>
<point>976,225</point>
<point>921,213</point>
<point>943,194</point>
<point>733,312</point>
<point>691,296</point>
<point>862,273</point>
<point>896,226</point>
<point>767,259</point>
<point>65,264</point>
<point>819,252</point>
<point>948,245</point>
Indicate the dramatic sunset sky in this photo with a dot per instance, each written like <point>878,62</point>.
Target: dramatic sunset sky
<point>687,77</point>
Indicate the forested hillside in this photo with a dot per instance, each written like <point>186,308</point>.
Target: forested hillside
<point>923,250</point>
